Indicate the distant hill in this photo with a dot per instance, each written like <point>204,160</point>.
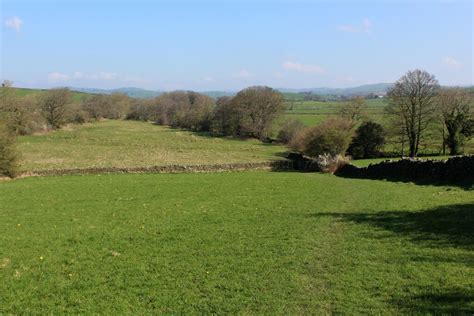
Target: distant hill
<point>325,93</point>
<point>131,92</point>
<point>359,90</point>
<point>147,94</point>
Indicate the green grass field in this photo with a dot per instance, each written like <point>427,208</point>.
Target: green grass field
<point>22,92</point>
<point>247,243</point>
<point>135,144</point>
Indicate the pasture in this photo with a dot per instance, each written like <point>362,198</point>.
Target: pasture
<point>135,144</point>
<point>248,242</point>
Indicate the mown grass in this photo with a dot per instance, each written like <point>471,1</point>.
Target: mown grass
<point>135,144</point>
<point>248,242</point>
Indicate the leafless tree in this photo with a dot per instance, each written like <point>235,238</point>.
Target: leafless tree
<point>412,99</point>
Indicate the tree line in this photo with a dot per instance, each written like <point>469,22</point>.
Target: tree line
<point>415,104</point>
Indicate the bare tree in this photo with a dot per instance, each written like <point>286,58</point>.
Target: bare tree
<point>53,105</point>
<point>455,107</point>
<point>354,109</point>
<point>412,99</point>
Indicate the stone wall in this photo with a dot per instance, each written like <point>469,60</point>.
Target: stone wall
<point>271,165</point>
<point>454,170</point>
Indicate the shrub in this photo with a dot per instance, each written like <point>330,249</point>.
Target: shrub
<point>330,164</point>
<point>368,141</point>
<point>8,155</point>
<point>331,137</point>
<point>290,131</point>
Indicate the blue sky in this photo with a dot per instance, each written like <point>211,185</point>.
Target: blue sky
<point>228,45</point>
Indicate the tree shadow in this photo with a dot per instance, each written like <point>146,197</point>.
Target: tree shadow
<point>451,302</point>
<point>437,228</point>
<point>445,226</point>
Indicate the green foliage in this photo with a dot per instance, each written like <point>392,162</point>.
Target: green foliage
<point>368,141</point>
<point>331,137</point>
<point>234,243</point>
<point>8,153</point>
<point>455,107</point>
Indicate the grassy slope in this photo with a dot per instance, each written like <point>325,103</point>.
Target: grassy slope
<point>249,242</point>
<point>135,144</point>
<point>22,92</point>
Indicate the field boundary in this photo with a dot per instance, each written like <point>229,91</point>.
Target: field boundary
<point>268,165</point>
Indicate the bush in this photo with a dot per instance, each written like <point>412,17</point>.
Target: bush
<point>8,155</point>
<point>330,164</point>
<point>368,141</point>
<point>331,137</point>
<point>290,131</point>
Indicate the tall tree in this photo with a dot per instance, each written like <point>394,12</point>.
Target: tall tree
<point>455,107</point>
<point>257,107</point>
<point>412,99</point>
<point>53,105</point>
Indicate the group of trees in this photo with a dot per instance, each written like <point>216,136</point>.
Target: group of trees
<point>416,105</point>
<point>51,109</point>
<point>417,101</point>
<point>54,108</point>
<point>250,113</point>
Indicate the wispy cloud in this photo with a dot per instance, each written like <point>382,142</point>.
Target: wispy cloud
<point>57,77</point>
<point>452,62</point>
<point>104,76</point>
<point>209,79</point>
<point>14,23</point>
<point>99,76</point>
<point>364,27</point>
<point>244,74</point>
<point>295,66</point>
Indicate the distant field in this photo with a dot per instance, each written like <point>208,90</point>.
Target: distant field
<point>234,243</point>
<point>135,144</point>
<point>22,92</point>
<point>312,113</point>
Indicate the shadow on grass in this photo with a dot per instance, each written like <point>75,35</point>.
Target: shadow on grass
<point>448,226</point>
<point>437,228</point>
<point>450,302</point>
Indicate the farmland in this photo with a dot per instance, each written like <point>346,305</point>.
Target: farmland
<point>312,113</point>
<point>135,144</point>
<point>266,242</point>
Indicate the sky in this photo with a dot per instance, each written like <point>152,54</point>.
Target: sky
<point>229,45</point>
